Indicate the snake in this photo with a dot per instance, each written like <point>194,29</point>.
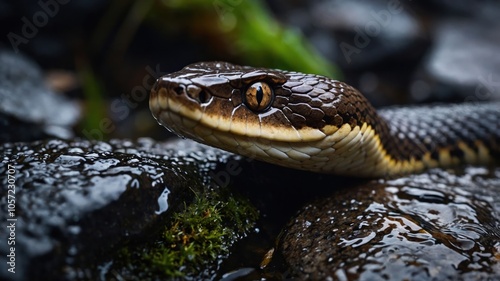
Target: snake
<point>318,124</point>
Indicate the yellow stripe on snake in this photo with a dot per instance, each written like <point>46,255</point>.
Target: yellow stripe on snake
<point>314,123</point>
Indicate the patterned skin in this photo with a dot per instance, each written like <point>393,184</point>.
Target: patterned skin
<point>314,123</point>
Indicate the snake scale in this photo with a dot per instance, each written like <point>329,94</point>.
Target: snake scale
<point>311,122</point>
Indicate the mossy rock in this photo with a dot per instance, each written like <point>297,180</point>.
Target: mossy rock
<point>88,209</point>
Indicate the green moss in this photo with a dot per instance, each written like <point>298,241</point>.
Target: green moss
<point>197,236</point>
<point>95,106</point>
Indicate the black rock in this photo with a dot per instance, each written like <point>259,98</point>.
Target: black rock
<point>28,109</point>
<point>75,203</point>
<point>463,64</point>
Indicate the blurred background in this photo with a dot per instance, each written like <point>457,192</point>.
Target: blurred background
<point>102,56</point>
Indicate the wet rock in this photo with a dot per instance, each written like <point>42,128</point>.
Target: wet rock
<point>28,109</point>
<point>79,203</point>
<point>463,64</point>
<point>357,34</point>
<point>441,225</point>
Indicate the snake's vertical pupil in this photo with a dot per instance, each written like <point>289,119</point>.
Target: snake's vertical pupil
<point>260,94</point>
<point>258,97</point>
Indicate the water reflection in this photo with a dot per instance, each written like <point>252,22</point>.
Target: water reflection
<point>437,225</point>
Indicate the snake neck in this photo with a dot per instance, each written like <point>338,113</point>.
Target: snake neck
<point>423,137</point>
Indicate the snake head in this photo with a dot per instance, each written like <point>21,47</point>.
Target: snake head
<point>220,97</point>
<point>271,115</point>
<point>251,102</point>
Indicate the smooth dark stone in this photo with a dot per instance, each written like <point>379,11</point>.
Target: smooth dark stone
<point>28,109</point>
<point>463,64</point>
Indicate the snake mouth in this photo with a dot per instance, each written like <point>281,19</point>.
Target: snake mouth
<point>193,123</point>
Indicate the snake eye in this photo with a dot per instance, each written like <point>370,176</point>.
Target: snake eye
<point>259,96</point>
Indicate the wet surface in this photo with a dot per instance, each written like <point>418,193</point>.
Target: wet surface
<point>80,202</point>
<point>77,202</point>
<point>440,225</point>
<point>82,199</point>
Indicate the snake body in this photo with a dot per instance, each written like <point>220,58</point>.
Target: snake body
<point>311,122</point>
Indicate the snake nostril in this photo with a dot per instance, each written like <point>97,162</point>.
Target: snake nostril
<point>179,90</point>
<point>197,94</point>
<point>203,97</point>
